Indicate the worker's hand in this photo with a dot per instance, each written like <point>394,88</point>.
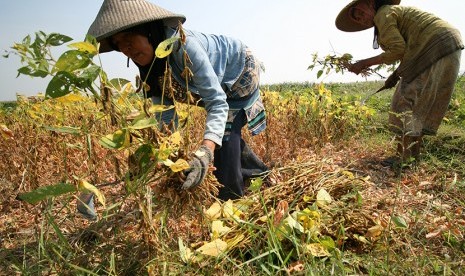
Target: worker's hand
<point>198,167</point>
<point>357,67</point>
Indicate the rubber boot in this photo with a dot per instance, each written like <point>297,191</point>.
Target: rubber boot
<point>85,206</point>
<point>251,165</point>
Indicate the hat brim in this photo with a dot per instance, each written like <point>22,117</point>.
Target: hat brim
<point>345,23</point>
<point>118,15</point>
<point>105,45</point>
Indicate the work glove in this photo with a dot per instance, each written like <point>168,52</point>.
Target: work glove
<point>85,206</point>
<point>198,167</point>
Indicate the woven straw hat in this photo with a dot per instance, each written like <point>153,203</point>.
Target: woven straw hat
<point>346,24</point>
<point>117,15</point>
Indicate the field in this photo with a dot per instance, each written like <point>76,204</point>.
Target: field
<point>327,207</point>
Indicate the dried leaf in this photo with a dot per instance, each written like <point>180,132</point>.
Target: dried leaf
<point>281,210</point>
<point>218,229</point>
<point>230,211</point>
<point>175,138</point>
<point>374,231</point>
<point>235,240</point>
<point>323,198</point>
<point>6,132</point>
<point>213,248</point>
<point>296,267</point>
<point>179,165</point>
<point>214,212</point>
<point>437,232</point>
<point>317,250</point>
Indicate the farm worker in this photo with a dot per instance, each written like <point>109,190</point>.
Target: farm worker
<point>428,49</point>
<point>225,81</point>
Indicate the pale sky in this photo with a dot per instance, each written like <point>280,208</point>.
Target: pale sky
<point>282,34</point>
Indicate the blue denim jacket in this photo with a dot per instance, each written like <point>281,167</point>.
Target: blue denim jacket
<point>217,63</point>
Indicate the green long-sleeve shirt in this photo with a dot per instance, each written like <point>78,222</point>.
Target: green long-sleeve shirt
<point>415,38</point>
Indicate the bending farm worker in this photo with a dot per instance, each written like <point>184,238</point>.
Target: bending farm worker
<point>225,81</point>
<point>428,49</point>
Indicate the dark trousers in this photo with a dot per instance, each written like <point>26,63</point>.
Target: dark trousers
<point>228,162</point>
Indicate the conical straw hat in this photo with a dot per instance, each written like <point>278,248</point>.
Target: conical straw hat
<point>117,15</point>
<point>346,24</point>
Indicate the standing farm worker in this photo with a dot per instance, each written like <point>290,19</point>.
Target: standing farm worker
<point>224,80</point>
<point>428,49</point>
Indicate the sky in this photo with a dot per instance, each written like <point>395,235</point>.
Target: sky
<point>282,34</point>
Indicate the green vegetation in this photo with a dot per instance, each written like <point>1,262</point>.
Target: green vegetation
<point>327,207</point>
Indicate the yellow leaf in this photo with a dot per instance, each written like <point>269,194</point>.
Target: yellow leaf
<point>307,198</point>
<point>160,108</point>
<point>374,231</point>
<point>348,174</point>
<point>235,240</point>
<point>230,211</point>
<point>164,151</point>
<point>84,47</point>
<point>71,98</point>
<point>317,250</point>
<point>84,185</point>
<point>361,239</point>
<point>323,198</point>
<point>263,218</point>
<point>218,229</point>
<point>214,212</point>
<point>175,138</point>
<point>310,220</point>
<point>6,132</point>
<point>213,248</point>
<point>179,165</point>
<point>165,47</point>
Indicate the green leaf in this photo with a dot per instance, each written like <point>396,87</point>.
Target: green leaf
<point>71,61</point>
<point>256,184</point>
<point>118,83</point>
<point>56,39</point>
<point>144,123</point>
<point>165,47</point>
<point>26,70</point>
<point>117,140</point>
<point>318,75</point>
<point>400,222</point>
<point>69,130</point>
<point>45,192</point>
<point>60,85</point>
<point>143,156</point>
<point>328,242</point>
<point>91,73</point>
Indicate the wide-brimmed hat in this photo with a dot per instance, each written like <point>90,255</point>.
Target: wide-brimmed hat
<point>117,15</point>
<point>347,24</point>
